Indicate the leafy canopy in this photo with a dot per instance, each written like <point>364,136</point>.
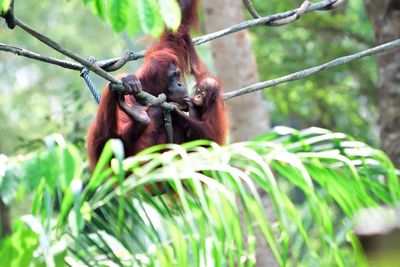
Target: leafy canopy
<point>150,16</point>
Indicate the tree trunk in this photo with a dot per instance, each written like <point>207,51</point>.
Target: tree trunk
<point>385,18</point>
<point>236,67</point>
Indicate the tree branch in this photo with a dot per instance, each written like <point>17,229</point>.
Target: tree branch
<point>149,99</point>
<point>46,40</point>
<point>29,54</point>
<point>249,89</point>
<point>308,72</point>
<point>142,97</point>
<point>322,5</point>
<point>104,64</point>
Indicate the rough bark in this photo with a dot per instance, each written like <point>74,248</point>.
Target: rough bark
<point>385,18</point>
<point>236,66</point>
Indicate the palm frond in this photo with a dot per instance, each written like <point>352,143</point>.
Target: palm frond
<point>296,190</point>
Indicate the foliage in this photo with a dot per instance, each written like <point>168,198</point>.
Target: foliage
<point>60,102</point>
<point>39,99</point>
<point>18,249</point>
<point>133,15</point>
<point>4,4</point>
<point>314,39</point>
<point>314,179</point>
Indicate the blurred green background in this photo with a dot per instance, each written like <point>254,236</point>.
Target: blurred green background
<point>37,99</point>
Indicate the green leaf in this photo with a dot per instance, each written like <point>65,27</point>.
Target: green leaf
<point>118,14</point>
<point>171,13</point>
<point>5,5</point>
<point>17,249</point>
<point>100,7</point>
<point>133,23</point>
<point>111,147</point>
<point>150,18</point>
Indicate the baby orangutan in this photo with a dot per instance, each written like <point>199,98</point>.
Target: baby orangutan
<point>207,117</point>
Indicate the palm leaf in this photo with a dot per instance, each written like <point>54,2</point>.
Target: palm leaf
<point>314,179</point>
<point>296,190</point>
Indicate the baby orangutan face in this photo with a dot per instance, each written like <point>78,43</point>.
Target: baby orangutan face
<point>205,93</point>
<point>199,97</point>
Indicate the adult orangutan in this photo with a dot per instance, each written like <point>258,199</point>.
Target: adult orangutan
<point>165,64</point>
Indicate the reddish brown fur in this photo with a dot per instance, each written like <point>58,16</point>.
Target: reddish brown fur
<point>210,121</point>
<point>172,48</point>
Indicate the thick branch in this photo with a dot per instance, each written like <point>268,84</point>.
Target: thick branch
<point>308,72</point>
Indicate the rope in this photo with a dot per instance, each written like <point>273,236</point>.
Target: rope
<point>95,93</point>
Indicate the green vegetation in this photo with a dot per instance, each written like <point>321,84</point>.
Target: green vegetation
<point>311,177</point>
<point>150,16</point>
<point>349,91</point>
<point>314,180</point>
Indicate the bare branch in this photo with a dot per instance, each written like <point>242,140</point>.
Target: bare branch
<point>120,63</point>
<point>250,7</point>
<point>299,12</point>
<point>104,64</point>
<point>29,54</point>
<point>334,5</point>
<point>305,8</point>
<point>308,72</point>
<point>254,22</point>
<point>249,89</point>
<point>322,5</point>
<point>46,40</point>
<point>142,97</point>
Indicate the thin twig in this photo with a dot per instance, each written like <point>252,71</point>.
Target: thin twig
<point>299,12</point>
<point>254,22</point>
<point>29,54</point>
<point>308,72</point>
<point>250,7</point>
